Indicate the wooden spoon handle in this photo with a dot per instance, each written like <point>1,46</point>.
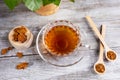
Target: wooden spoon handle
<point>103,29</point>
<point>94,27</point>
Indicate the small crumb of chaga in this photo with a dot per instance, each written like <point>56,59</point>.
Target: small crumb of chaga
<point>22,65</point>
<point>5,50</point>
<point>19,54</point>
<point>10,48</point>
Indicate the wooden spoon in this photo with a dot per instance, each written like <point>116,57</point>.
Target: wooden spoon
<point>111,55</point>
<point>100,59</point>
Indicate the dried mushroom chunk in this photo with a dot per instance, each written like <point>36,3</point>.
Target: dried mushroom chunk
<point>22,65</point>
<point>23,30</point>
<point>4,51</point>
<point>111,55</point>
<point>100,68</point>
<point>19,54</point>
<point>20,34</point>
<point>22,37</point>
<point>10,48</point>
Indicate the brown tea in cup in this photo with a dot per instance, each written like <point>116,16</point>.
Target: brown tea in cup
<point>61,40</point>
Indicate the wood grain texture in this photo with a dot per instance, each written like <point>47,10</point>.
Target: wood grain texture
<point>102,12</point>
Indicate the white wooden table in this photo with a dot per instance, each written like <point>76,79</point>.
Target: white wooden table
<point>102,11</point>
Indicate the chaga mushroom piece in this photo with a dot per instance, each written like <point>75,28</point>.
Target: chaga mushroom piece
<point>23,30</point>
<point>4,51</point>
<point>22,65</point>
<point>100,68</point>
<point>19,34</point>
<point>19,54</point>
<point>10,48</point>
<point>22,37</point>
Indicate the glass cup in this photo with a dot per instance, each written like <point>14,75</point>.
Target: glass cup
<point>72,57</point>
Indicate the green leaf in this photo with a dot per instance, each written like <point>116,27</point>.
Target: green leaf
<point>56,2</point>
<point>30,4</point>
<point>72,0</point>
<point>33,4</point>
<point>12,3</point>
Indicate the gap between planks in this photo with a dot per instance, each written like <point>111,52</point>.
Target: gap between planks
<point>115,48</point>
